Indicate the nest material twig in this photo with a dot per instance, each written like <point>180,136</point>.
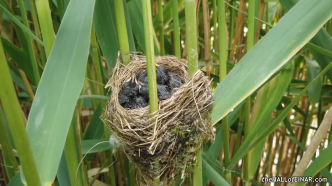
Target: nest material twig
<point>164,146</point>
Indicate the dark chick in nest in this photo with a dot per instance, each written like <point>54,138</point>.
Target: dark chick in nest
<point>123,99</point>
<point>144,90</point>
<point>162,76</point>
<point>174,81</point>
<point>163,92</point>
<point>130,87</point>
<point>139,102</point>
<point>143,77</point>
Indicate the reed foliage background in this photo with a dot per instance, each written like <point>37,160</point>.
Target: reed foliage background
<point>269,62</point>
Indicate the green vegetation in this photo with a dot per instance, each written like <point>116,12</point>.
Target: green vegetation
<point>269,63</point>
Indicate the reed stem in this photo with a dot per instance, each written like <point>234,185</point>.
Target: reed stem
<point>150,62</point>
<point>222,74</point>
<point>176,31</point>
<point>122,31</point>
<point>161,27</point>
<point>192,57</point>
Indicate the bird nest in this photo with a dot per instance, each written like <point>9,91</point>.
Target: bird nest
<point>163,146</point>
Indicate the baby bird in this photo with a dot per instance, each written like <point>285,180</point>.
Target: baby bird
<point>123,100</point>
<point>162,76</point>
<point>174,81</point>
<point>163,92</point>
<point>130,87</point>
<point>143,77</point>
<point>140,102</point>
<point>144,91</point>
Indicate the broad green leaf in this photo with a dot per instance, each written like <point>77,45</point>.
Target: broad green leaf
<point>296,28</point>
<point>321,39</point>
<point>59,88</point>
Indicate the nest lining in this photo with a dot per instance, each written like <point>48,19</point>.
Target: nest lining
<point>165,145</point>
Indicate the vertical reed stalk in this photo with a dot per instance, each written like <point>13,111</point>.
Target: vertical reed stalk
<point>231,31</point>
<point>122,31</point>
<point>151,66</point>
<point>250,44</point>
<point>214,22</point>
<point>46,25</point>
<point>161,26</point>
<point>222,73</point>
<point>15,122</point>
<point>191,36</point>
<point>192,57</point>
<point>30,45</point>
<point>206,22</point>
<point>176,31</point>
<point>38,32</point>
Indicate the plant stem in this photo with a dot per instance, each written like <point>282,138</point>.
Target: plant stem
<point>176,29</point>
<point>191,36</point>
<point>30,45</point>
<point>206,21</point>
<point>250,44</point>
<point>161,26</point>
<point>214,22</point>
<point>251,25</point>
<point>46,25</point>
<point>231,31</point>
<point>192,57</point>
<point>122,31</point>
<point>33,11</point>
<point>15,122</point>
<point>150,62</point>
<point>222,74</point>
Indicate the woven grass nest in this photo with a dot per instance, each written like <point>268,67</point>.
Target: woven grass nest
<point>164,146</point>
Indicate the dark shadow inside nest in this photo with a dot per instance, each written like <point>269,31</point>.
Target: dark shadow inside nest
<point>135,91</point>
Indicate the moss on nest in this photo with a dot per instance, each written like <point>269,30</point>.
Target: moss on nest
<point>173,136</point>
